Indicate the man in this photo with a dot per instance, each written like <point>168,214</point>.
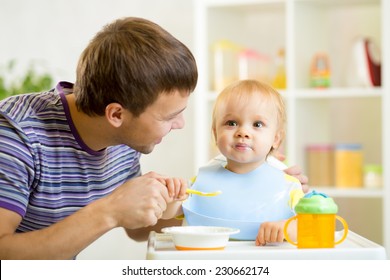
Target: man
<point>69,157</point>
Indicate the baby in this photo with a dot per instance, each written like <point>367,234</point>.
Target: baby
<point>248,125</point>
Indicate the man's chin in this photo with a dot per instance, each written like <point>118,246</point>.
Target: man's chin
<point>145,150</point>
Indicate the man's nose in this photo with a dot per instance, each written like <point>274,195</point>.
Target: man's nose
<point>179,122</point>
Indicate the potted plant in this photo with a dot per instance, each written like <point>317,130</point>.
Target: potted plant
<point>30,81</point>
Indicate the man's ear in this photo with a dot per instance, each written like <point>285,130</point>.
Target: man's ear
<point>114,114</point>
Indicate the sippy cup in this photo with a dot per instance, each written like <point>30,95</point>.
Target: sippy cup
<point>316,221</point>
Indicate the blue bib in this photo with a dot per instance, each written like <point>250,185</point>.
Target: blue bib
<point>255,197</point>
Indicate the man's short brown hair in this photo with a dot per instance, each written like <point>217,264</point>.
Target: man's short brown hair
<point>131,61</point>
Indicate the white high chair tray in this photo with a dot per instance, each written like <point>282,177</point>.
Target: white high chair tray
<point>355,247</point>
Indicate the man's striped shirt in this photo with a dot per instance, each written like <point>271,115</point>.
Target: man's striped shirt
<point>46,171</point>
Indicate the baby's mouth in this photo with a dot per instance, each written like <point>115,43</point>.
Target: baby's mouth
<point>242,146</point>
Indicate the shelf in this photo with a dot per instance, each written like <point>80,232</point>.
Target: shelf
<point>338,93</point>
<point>349,111</point>
<point>337,3</point>
<point>323,93</point>
<point>350,192</point>
<point>256,3</point>
<point>240,5</point>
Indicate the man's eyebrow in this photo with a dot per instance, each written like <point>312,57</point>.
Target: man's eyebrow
<point>176,113</point>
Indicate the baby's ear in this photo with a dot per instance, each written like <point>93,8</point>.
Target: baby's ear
<point>214,131</point>
<point>278,140</point>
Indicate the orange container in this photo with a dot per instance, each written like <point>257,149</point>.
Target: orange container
<point>348,165</point>
<point>320,164</point>
<point>317,230</point>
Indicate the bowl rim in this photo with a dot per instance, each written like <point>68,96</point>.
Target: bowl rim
<point>186,230</point>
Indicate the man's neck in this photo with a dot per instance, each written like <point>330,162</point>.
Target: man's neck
<point>94,131</point>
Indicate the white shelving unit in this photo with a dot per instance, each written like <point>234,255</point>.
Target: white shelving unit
<point>340,113</point>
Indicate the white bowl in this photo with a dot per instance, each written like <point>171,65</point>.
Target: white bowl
<point>248,229</point>
<point>200,237</point>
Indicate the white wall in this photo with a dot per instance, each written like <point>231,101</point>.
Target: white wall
<point>53,33</point>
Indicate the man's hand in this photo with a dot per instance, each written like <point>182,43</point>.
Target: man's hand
<point>139,202</point>
<point>296,172</point>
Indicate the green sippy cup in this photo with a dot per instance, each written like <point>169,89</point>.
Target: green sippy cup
<point>316,222</point>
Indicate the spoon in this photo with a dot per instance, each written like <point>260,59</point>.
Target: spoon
<point>191,191</point>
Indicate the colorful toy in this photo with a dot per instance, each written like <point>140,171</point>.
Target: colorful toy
<point>320,71</point>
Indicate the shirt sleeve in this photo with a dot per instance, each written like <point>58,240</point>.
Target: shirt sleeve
<point>16,168</point>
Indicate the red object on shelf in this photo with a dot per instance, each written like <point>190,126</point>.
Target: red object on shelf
<point>366,63</point>
<point>373,62</point>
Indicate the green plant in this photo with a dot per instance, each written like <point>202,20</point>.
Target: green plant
<point>30,81</point>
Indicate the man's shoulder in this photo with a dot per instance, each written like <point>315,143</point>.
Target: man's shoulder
<point>25,107</point>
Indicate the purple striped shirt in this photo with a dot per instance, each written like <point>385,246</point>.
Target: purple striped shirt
<point>46,171</point>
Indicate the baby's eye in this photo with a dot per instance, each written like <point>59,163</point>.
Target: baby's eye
<point>258,124</point>
<point>231,123</point>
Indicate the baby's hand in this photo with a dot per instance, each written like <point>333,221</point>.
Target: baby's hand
<point>177,193</point>
<point>270,232</point>
<point>176,187</point>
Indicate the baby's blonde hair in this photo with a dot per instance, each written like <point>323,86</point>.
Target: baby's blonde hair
<point>244,89</point>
